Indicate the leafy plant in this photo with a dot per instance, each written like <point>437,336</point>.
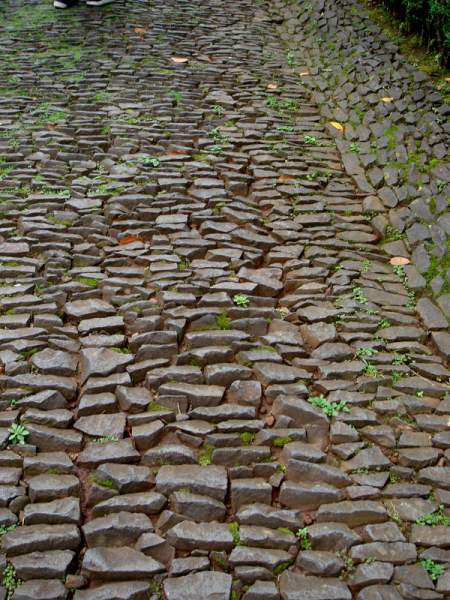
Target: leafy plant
<point>354,147</point>
<point>311,140</point>
<point>359,296</point>
<point>5,528</point>
<point>397,376</point>
<point>305,542</point>
<point>435,518</point>
<point>218,110</point>
<point>434,569</point>
<point>366,351</point>
<point>241,300</point>
<point>150,161</point>
<point>370,370</point>
<point>331,409</point>
<point>384,324</point>
<point>18,434</point>
<point>10,580</point>
<point>223,321</point>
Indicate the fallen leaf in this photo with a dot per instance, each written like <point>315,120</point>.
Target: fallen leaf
<point>447,79</point>
<point>304,73</point>
<point>179,59</point>
<point>272,86</point>
<point>387,99</point>
<point>140,30</point>
<point>337,125</point>
<point>51,125</point>
<point>270,420</point>
<point>129,239</point>
<point>285,178</point>
<point>177,152</point>
<point>399,260</point>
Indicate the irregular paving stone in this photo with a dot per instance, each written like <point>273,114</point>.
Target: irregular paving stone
<point>119,564</point>
<point>216,586</point>
<point>183,254</point>
<point>125,590</point>
<point>313,588</point>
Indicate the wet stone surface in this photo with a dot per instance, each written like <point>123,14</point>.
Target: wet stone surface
<point>214,383</point>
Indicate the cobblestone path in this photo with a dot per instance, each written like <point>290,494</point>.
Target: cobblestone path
<point>215,384</point>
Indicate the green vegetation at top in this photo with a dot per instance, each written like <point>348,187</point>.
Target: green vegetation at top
<point>430,19</point>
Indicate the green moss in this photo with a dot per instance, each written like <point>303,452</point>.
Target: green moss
<point>247,438</point>
<point>106,483</point>
<point>282,567</point>
<point>156,407</point>
<point>280,442</point>
<point>205,457</point>
<point>235,532</point>
<point>89,281</point>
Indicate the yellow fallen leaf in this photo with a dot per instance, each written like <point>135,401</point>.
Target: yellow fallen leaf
<point>140,30</point>
<point>285,178</point>
<point>272,86</point>
<point>399,260</point>
<point>387,99</point>
<point>304,73</point>
<point>337,125</point>
<point>179,59</point>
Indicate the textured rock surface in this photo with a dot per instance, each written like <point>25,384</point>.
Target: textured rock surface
<point>214,381</point>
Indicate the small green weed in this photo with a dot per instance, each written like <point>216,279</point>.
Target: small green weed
<point>303,536</point>
<point>241,300</point>
<point>10,580</point>
<point>366,351</point>
<point>434,569</point>
<point>331,409</point>
<point>359,296</point>
<point>435,518</point>
<point>18,434</point>
<point>223,321</point>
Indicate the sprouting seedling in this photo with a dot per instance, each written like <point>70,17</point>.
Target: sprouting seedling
<point>241,300</point>
<point>18,434</point>
<point>218,110</point>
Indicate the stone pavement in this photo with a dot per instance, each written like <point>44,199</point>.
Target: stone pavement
<point>216,383</point>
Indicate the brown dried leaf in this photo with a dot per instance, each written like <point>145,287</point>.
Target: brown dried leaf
<point>272,86</point>
<point>179,59</point>
<point>399,260</point>
<point>140,30</point>
<point>387,99</point>
<point>285,179</point>
<point>130,239</point>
